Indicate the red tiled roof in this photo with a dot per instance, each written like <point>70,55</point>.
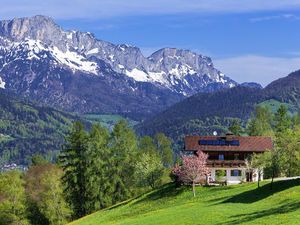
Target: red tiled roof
<point>250,143</point>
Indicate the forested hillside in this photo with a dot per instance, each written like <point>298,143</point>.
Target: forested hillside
<point>204,113</point>
<point>26,128</point>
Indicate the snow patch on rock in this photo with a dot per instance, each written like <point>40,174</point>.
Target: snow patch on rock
<point>138,75</point>
<point>2,83</point>
<point>74,60</point>
<point>93,51</point>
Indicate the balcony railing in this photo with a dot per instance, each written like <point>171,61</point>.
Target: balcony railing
<point>226,162</point>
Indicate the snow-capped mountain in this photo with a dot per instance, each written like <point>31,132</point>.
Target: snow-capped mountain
<point>76,71</point>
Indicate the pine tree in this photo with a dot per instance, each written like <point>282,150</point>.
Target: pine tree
<point>99,168</point>
<point>282,119</point>
<point>123,145</point>
<point>74,161</point>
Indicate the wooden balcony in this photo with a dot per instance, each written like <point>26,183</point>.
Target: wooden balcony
<point>226,163</point>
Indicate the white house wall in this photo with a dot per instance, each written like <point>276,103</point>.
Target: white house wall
<point>234,179</point>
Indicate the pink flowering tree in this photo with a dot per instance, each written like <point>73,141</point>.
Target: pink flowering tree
<point>193,168</point>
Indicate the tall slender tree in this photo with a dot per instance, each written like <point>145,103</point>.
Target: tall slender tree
<point>259,162</point>
<point>99,168</point>
<point>282,119</point>
<point>74,161</point>
<point>164,147</point>
<point>123,147</point>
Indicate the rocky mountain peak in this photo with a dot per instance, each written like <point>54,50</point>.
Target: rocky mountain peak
<point>36,56</point>
<point>37,27</point>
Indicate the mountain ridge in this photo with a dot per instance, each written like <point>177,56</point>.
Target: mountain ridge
<point>204,113</point>
<point>37,55</point>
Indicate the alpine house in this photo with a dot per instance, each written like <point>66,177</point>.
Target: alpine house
<point>227,155</point>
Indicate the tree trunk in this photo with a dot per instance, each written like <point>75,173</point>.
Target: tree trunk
<point>258,179</point>
<point>194,191</point>
<point>273,174</point>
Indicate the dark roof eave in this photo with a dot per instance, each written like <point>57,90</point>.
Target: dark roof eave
<point>227,150</point>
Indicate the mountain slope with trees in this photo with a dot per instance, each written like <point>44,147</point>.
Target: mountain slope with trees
<point>26,129</point>
<point>204,113</point>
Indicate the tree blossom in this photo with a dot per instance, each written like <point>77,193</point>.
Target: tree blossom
<point>193,168</point>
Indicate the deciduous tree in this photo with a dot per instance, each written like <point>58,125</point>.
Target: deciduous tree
<point>164,147</point>
<point>12,199</point>
<point>45,196</point>
<point>149,170</point>
<point>236,127</point>
<point>258,162</point>
<point>193,168</point>
<point>260,123</point>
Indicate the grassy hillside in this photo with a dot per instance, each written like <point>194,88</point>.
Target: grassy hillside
<point>239,204</point>
<point>108,120</point>
<point>275,104</point>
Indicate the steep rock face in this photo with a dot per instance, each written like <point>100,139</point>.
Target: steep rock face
<point>75,71</point>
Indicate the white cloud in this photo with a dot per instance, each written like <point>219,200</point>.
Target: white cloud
<point>275,17</point>
<point>70,9</point>
<point>257,68</point>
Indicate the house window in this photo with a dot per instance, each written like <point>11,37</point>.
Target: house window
<point>236,156</point>
<point>221,157</point>
<point>236,173</point>
<point>189,153</point>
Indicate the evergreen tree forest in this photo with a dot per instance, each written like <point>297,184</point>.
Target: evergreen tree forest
<point>95,169</point>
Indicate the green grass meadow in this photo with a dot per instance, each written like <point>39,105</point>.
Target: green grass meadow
<point>238,204</point>
<point>108,121</point>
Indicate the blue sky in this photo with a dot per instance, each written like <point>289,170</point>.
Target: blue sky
<point>248,40</point>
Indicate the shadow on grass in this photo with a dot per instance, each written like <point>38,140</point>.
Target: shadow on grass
<point>121,204</point>
<point>265,191</point>
<point>166,191</point>
<point>242,218</point>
